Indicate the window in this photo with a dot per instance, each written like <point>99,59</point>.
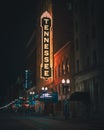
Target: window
<point>87,41</point>
<point>56,73</point>
<point>63,68</point>
<point>76,26</point>
<point>76,7</point>
<point>77,45</point>
<point>92,9</point>
<point>59,71</point>
<point>77,65</point>
<point>93,31</point>
<point>67,66</point>
<point>94,57</point>
<point>88,60</point>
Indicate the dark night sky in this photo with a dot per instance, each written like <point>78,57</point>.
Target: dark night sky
<point>17,22</point>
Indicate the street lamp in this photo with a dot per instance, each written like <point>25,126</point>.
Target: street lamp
<point>44,89</point>
<point>68,81</point>
<point>63,81</point>
<point>32,93</point>
<point>31,96</point>
<point>66,86</point>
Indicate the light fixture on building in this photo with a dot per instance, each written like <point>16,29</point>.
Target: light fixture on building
<point>44,88</point>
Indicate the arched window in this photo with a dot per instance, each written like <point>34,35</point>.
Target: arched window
<point>63,68</point>
<point>59,71</point>
<point>67,66</point>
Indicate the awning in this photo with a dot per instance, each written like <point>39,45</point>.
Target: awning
<point>49,97</point>
<point>80,96</point>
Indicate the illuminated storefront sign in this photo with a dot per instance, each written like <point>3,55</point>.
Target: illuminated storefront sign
<point>46,46</point>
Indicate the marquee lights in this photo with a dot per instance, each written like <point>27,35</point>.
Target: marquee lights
<point>46,23</point>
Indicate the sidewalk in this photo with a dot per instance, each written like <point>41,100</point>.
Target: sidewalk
<point>72,120</point>
<point>77,120</point>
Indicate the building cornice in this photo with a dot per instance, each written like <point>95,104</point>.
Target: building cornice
<point>62,48</point>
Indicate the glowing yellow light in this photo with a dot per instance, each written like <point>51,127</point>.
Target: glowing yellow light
<point>46,59</point>
<point>63,81</point>
<point>47,46</point>
<point>46,40</point>
<point>46,33</point>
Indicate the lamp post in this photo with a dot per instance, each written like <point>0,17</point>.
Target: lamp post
<point>32,93</point>
<point>44,89</point>
<point>31,96</point>
<point>66,86</point>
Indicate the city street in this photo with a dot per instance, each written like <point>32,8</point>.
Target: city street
<point>13,121</point>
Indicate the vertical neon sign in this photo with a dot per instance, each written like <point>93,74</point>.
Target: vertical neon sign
<point>46,24</point>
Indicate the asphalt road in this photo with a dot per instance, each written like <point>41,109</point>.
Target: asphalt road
<point>11,121</point>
